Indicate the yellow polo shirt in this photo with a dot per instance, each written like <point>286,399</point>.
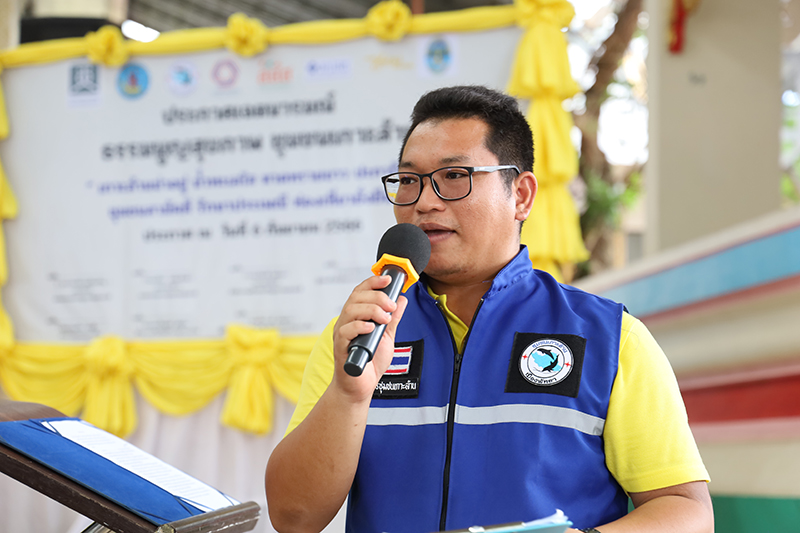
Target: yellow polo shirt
<point>648,443</point>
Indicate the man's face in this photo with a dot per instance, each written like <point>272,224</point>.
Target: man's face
<point>472,238</point>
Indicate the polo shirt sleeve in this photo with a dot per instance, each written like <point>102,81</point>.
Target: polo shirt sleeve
<point>317,375</point>
<point>648,443</point>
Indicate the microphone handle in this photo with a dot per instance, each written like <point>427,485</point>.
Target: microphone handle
<point>362,348</point>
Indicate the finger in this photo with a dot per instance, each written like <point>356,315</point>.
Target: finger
<point>369,291</point>
<point>366,306</point>
<point>385,350</point>
<point>374,283</point>
<point>397,315</point>
<point>350,331</point>
<point>365,312</point>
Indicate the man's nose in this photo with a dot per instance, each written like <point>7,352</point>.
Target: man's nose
<point>429,200</point>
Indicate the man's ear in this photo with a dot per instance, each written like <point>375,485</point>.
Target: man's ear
<point>525,187</point>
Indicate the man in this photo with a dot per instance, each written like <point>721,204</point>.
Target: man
<point>521,395</point>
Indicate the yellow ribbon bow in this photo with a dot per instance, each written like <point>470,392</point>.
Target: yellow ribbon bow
<point>109,400</point>
<point>389,20</point>
<point>558,13</point>
<point>252,353</point>
<point>541,66</point>
<point>246,36</point>
<point>107,46</point>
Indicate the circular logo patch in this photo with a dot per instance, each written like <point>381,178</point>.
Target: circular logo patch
<point>225,73</point>
<point>132,81</point>
<point>182,78</point>
<point>546,362</point>
<point>438,55</point>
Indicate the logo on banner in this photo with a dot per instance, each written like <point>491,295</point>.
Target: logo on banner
<point>329,69</point>
<point>437,56</point>
<point>84,80</point>
<point>401,361</point>
<point>182,78</point>
<point>225,73</point>
<point>84,85</point>
<point>273,72</point>
<point>384,61</point>
<point>132,81</point>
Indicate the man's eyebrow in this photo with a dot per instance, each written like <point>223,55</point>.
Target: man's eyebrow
<point>453,159</point>
<point>443,162</point>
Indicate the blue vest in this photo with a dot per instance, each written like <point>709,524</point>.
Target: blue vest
<point>509,431</point>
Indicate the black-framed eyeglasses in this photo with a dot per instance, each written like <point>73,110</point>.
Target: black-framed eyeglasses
<point>449,183</point>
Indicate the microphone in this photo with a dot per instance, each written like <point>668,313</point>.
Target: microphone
<point>404,251</point>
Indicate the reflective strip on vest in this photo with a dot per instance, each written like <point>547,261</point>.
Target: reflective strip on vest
<point>497,414</point>
<point>530,414</point>
<point>406,416</point>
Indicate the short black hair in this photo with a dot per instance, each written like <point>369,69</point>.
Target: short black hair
<point>509,136</point>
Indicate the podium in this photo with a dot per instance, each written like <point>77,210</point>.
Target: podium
<point>107,514</point>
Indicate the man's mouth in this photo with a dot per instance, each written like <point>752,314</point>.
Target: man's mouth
<point>436,232</point>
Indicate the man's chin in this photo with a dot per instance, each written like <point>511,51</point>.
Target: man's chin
<point>442,273</point>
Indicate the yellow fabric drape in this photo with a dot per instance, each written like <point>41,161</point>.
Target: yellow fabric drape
<point>261,360</point>
<point>3,116</point>
<point>251,365</point>
<point>178,378</point>
<point>541,74</point>
<point>8,210</point>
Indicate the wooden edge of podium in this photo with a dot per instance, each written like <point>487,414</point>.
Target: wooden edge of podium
<point>242,517</point>
<point>234,519</point>
<point>12,410</point>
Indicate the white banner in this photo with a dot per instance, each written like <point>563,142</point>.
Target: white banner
<point>177,194</point>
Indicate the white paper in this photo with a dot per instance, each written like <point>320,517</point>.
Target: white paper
<point>144,465</point>
<point>557,518</point>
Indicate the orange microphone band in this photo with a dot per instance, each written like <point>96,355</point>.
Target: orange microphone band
<point>404,263</point>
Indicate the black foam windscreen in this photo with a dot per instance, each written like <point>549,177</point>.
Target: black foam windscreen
<point>406,240</point>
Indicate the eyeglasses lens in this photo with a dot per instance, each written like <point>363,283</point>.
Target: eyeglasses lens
<point>451,184</point>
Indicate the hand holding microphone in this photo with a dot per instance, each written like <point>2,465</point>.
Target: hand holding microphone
<point>403,252</point>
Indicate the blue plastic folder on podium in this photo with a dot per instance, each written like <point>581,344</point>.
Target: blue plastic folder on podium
<point>40,440</point>
<point>557,523</point>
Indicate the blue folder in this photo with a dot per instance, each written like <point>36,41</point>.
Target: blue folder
<point>46,446</point>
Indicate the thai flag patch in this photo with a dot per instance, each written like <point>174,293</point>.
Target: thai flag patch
<point>402,378</point>
<point>401,361</point>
